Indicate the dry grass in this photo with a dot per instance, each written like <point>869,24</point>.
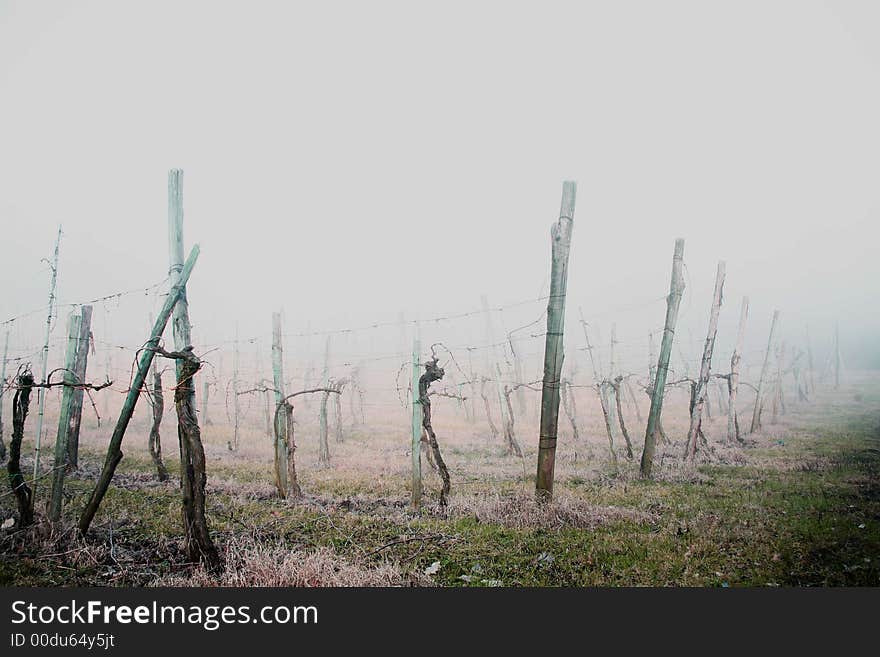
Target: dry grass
<point>524,511</point>
<point>250,563</point>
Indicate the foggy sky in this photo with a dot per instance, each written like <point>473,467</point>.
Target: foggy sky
<point>350,161</point>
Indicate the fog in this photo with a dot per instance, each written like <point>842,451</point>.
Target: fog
<point>348,162</point>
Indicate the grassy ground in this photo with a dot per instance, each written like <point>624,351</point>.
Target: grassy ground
<point>798,506</point>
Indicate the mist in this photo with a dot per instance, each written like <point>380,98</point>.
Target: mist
<point>348,163</point>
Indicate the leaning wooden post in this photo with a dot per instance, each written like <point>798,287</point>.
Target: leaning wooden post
<point>756,415</point>
<point>673,301</point>
<point>60,465</point>
<point>733,381</point>
<point>79,371</point>
<point>280,421</point>
<point>44,363</point>
<point>553,346</point>
<point>114,452</point>
<point>416,427</point>
<point>701,387</point>
<point>2,390</point>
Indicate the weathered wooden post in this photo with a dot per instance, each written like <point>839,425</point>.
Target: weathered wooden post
<point>756,415</point>
<point>778,396</point>
<point>114,452</point>
<point>673,301</point>
<point>836,355</point>
<point>324,444</point>
<point>235,406</point>
<point>490,363</point>
<point>206,419</point>
<point>416,426</point>
<point>193,476</point>
<point>520,391</point>
<point>701,386</point>
<point>599,382</point>
<point>44,363</point>
<point>733,381</point>
<point>60,465</point>
<point>553,345</point>
<point>79,372</point>
<point>810,362</point>
<point>280,423</point>
<point>2,390</point>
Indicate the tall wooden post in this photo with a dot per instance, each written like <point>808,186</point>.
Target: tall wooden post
<point>192,471</point>
<point>756,415</point>
<point>60,465</point>
<point>733,381</point>
<point>518,375</point>
<point>701,387</point>
<point>44,363</point>
<point>600,382</point>
<point>490,365</point>
<point>79,372</point>
<point>836,355</point>
<point>608,389</point>
<point>673,301</point>
<point>114,451</point>
<point>560,234</point>
<point>324,443</point>
<point>416,425</point>
<point>2,389</point>
<point>811,380</point>
<point>235,405</point>
<point>280,420</point>
<point>206,420</point>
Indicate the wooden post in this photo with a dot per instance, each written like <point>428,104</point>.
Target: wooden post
<point>79,371</point>
<point>836,355</point>
<point>268,395</point>
<point>416,426</point>
<point>324,443</point>
<point>41,392</point>
<point>733,381</point>
<point>518,375</point>
<point>2,390</point>
<point>60,465</point>
<point>193,475</point>
<point>114,453</point>
<point>811,380</point>
<point>490,364</point>
<point>778,397</point>
<point>701,387</point>
<point>281,424</point>
<point>553,345</point>
<point>673,301</point>
<point>206,419</point>
<point>235,406</point>
<point>608,389</point>
<point>599,381</point>
<point>756,415</point>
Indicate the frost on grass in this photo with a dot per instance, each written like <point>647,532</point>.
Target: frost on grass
<point>250,563</point>
<point>524,511</point>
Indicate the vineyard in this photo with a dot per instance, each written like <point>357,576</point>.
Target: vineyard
<point>536,441</point>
